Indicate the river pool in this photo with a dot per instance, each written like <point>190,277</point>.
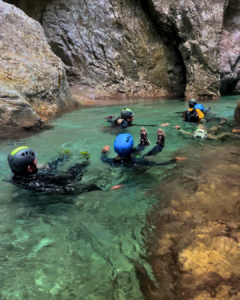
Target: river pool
<point>88,246</point>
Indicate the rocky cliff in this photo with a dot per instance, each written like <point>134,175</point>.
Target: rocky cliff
<point>145,48</point>
<point>125,48</point>
<point>230,49</point>
<point>114,46</point>
<point>32,78</point>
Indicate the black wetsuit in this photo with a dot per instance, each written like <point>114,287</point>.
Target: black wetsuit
<point>124,124</point>
<point>208,116</point>
<point>132,160</point>
<point>51,181</point>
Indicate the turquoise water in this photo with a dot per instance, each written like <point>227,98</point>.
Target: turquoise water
<point>87,246</point>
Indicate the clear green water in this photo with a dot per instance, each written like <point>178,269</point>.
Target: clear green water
<point>88,246</point>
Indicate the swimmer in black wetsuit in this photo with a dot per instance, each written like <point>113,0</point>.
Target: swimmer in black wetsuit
<point>48,180</point>
<point>123,146</point>
<point>125,120</point>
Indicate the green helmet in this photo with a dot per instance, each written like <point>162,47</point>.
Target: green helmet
<point>126,113</point>
<point>20,158</point>
<point>192,102</point>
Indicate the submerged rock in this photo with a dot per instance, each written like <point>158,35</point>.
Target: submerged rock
<point>32,78</point>
<point>193,245</point>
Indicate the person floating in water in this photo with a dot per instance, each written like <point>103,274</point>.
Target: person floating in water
<point>26,174</point>
<point>211,134</point>
<point>125,120</point>
<point>198,113</point>
<point>195,113</point>
<point>127,155</point>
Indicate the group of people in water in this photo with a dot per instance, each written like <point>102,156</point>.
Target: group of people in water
<point>26,174</point>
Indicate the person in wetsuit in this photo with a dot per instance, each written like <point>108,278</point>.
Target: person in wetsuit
<point>194,113</point>
<point>198,113</point>
<point>125,120</point>
<point>127,155</point>
<point>23,163</point>
<point>210,134</point>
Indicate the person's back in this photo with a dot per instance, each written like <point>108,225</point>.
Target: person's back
<point>194,113</point>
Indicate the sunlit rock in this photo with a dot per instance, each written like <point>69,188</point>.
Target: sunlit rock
<point>32,78</point>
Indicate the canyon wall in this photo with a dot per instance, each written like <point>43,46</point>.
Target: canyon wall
<point>33,80</point>
<point>144,48</point>
<point>117,48</point>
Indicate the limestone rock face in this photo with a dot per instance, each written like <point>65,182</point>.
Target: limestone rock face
<point>194,28</point>
<point>145,48</point>
<point>33,8</point>
<point>230,50</point>
<point>113,45</point>
<point>32,78</point>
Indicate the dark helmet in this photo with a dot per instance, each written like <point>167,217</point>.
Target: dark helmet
<point>20,158</point>
<point>126,113</point>
<point>192,102</point>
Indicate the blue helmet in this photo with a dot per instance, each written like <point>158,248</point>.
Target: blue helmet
<point>123,144</point>
<point>199,106</point>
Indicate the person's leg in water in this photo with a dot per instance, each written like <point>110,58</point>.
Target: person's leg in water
<point>144,142</point>
<point>159,144</point>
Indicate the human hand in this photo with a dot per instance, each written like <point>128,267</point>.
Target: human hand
<point>180,159</point>
<point>116,187</point>
<point>235,130</point>
<point>166,124</point>
<point>105,149</point>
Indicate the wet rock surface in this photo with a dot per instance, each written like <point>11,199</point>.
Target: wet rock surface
<point>33,81</point>
<point>194,231</point>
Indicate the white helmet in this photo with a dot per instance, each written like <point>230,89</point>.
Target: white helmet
<point>200,134</point>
